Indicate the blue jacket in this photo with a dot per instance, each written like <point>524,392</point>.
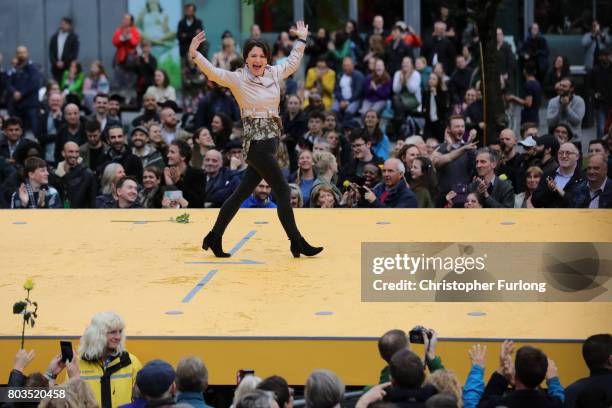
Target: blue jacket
<point>195,399</point>
<point>219,188</point>
<point>356,87</point>
<point>400,196</point>
<point>252,202</point>
<point>26,80</point>
<point>474,387</point>
<point>580,197</point>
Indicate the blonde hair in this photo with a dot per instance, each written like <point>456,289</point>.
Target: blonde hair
<point>297,190</point>
<point>78,395</point>
<point>446,382</point>
<point>108,178</point>
<point>282,155</point>
<point>248,384</point>
<point>94,340</point>
<point>323,161</point>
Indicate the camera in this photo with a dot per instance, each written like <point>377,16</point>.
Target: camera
<point>416,335</point>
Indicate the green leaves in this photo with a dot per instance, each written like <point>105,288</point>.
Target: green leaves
<point>19,307</point>
<point>181,219</point>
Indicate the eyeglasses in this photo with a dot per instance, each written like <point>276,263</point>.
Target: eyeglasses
<point>563,153</point>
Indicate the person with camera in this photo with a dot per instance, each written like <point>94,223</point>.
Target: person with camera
<point>566,107</point>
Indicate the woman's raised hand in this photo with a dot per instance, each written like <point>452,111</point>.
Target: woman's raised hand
<point>301,31</point>
<point>195,44</point>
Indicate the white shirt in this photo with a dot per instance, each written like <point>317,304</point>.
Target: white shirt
<point>345,87</point>
<point>61,41</point>
<point>562,179</point>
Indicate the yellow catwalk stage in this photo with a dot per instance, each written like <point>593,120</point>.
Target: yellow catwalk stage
<point>263,309</point>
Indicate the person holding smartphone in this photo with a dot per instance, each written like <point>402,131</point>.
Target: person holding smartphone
<point>257,91</point>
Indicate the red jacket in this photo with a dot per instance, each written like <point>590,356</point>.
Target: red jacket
<point>125,47</point>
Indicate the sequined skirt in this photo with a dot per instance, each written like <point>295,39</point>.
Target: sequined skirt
<point>260,129</point>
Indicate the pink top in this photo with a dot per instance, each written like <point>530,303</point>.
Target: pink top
<point>258,97</point>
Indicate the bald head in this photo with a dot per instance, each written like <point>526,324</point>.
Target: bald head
<point>597,169</point>
<point>507,139</point>
<point>72,114</point>
<point>21,54</point>
<point>71,154</point>
<point>439,28</point>
<point>213,161</point>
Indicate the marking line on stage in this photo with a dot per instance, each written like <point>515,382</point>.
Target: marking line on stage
<point>200,285</point>
<point>241,243</point>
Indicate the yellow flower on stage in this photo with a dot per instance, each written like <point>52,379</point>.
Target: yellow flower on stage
<point>29,284</point>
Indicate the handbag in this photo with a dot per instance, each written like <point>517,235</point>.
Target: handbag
<point>409,101</point>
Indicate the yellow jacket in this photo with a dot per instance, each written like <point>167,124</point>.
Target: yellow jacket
<point>122,371</point>
<point>328,82</point>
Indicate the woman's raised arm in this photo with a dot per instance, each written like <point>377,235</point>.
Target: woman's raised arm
<point>218,75</point>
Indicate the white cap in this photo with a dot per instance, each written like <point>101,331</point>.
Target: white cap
<point>528,142</point>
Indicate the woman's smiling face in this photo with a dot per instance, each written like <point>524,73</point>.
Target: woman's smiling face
<point>256,61</point>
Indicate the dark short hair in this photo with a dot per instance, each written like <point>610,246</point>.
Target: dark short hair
<point>391,342</point>
<point>31,164</point>
<point>279,386</point>
<point>21,153</point>
<point>455,117</point>
<point>192,5</point>
<point>101,95</point>
<point>596,350</point>
<point>531,364</point>
<point>407,369</point>
<point>599,141</point>
<point>122,181</point>
<point>251,43</point>
<point>359,133</point>
<point>191,374</point>
<point>317,115</point>
<point>12,121</point>
<point>92,126</point>
<point>114,126</point>
<point>184,149</point>
<point>527,125</point>
<point>67,20</point>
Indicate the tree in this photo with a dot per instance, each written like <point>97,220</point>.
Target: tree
<point>484,13</point>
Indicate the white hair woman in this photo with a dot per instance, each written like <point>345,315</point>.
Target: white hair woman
<point>104,363</point>
<point>246,386</point>
<point>323,390</point>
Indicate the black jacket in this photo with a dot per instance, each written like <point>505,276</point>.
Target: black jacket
<point>79,187</point>
<point>543,197</point>
<point>414,398</point>
<point>130,162</point>
<point>185,33</point>
<point>70,51</point>
<point>445,50</point>
<point>580,196</point>
<point>193,186</point>
<point>600,378</point>
<point>494,396</point>
<point>395,53</point>
<point>502,195</point>
<point>42,133</point>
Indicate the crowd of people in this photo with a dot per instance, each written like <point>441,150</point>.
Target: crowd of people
<point>103,373</point>
<point>383,118</point>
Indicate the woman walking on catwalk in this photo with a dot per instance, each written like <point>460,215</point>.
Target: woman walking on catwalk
<point>257,91</point>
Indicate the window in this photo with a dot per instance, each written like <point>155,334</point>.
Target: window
<point>274,15</point>
<point>329,14</point>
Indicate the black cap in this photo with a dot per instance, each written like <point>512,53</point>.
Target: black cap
<point>117,97</point>
<point>233,144</point>
<point>170,104</point>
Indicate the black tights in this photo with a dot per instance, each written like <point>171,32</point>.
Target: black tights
<point>262,164</point>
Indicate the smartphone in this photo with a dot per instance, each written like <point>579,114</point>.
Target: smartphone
<point>243,373</point>
<point>66,348</point>
<point>173,195</point>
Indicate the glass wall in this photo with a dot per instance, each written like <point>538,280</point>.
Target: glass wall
<point>391,10</point>
<point>329,14</point>
<point>274,15</point>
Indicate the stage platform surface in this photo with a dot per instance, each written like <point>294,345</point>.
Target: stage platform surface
<point>262,309</point>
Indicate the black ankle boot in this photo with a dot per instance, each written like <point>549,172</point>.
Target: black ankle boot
<point>213,241</point>
<point>300,246</point>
